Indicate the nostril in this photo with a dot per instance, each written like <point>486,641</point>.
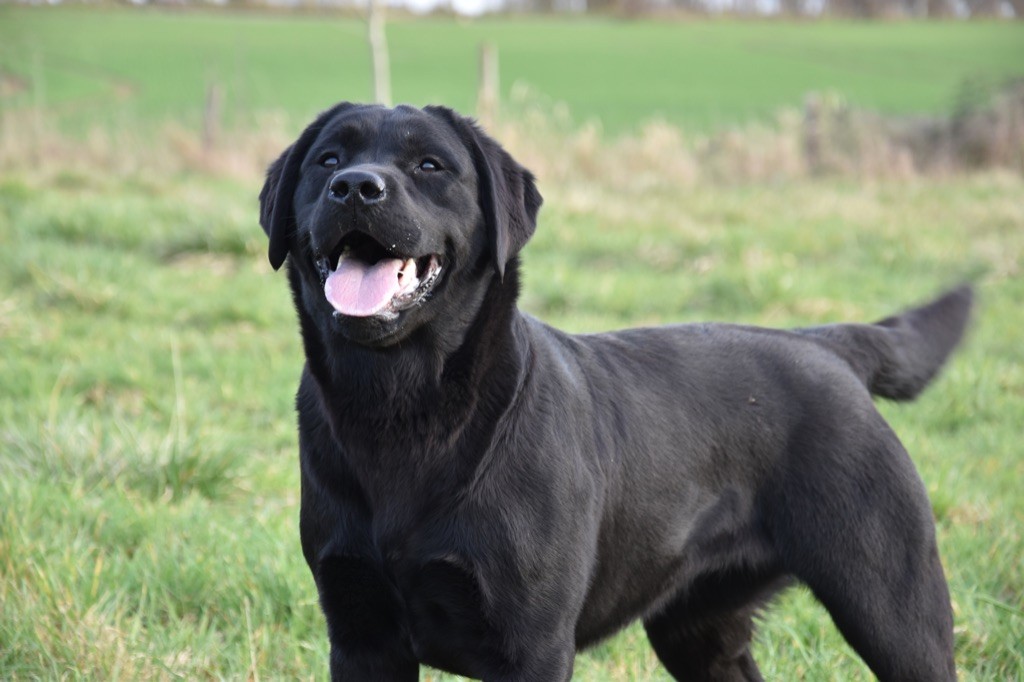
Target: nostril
<point>339,188</point>
<point>372,188</point>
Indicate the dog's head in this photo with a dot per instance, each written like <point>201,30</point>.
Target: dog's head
<point>394,217</point>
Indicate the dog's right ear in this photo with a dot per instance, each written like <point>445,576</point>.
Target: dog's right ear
<point>268,200</point>
<point>277,217</point>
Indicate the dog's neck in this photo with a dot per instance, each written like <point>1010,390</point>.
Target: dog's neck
<point>451,399</point>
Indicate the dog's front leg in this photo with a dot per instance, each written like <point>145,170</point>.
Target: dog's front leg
<point>548,661</point>
<point>556,666</point>
<point>369,638</point>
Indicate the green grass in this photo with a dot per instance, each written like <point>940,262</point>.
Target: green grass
<point>148,355</point>
<point>147,450</point>
<point>116,64</point>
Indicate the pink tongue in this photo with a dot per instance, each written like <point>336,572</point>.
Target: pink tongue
<point>361,290</point>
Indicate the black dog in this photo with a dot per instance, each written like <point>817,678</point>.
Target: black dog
<point>485,494</point>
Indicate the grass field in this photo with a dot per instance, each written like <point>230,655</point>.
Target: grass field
<point>148,355</point>
<point>120,64</point>
<point>148,478</point>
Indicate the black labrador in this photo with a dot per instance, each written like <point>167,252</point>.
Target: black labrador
<point>485,494</point>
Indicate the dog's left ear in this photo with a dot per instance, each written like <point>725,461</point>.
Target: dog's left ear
<point>508,194</point>
<point>277,217</point>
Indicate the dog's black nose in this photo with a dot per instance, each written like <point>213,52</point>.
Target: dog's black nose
<point>356,185</point>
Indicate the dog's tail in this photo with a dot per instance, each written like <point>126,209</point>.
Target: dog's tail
<point>898,356</point>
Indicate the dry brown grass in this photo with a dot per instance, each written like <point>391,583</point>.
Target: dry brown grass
<point>32,143</point>
<point>826,138</point>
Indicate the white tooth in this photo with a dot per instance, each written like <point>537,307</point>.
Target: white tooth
<point>407,276</point>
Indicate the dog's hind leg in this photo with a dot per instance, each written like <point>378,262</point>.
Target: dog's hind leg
<point>857,528</point>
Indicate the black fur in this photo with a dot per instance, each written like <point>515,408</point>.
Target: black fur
<point>486,494</point>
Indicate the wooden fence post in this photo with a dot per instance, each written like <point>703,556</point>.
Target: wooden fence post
<point>379,53</point>
<point>212,116</point>
<point>812,133</point>
<point>488,87</point>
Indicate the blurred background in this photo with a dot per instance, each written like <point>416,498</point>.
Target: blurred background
<point>771,162</point>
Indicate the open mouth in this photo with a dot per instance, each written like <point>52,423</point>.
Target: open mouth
<point>362,278</point>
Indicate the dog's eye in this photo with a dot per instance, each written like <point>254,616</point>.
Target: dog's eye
<point>328,160</point>
<point>429,165</point>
